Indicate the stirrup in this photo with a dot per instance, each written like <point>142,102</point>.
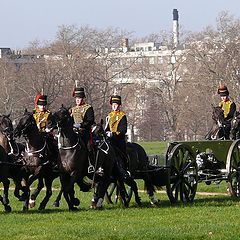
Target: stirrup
<point>91,169</point>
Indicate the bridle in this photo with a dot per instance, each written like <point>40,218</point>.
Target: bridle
<point>8,133</point>
<point>60,121</point>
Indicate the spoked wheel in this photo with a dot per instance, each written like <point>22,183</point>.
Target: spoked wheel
<point>183,174</point>
<point>233,169</point>
<point>113,196</point>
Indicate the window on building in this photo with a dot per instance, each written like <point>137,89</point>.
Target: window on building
<point>160,60</point>
<point>151,60</point>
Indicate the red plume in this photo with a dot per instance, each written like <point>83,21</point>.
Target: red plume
<point>73,93</point>
<point>36,99</point>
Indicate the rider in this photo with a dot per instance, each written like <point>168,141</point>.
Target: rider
<point>42,115</point>
<point>228,107</point>
<point>116,126</point>
<point>83,116</point>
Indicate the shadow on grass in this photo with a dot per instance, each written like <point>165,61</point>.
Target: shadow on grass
<point>223,201</point>
<point>217,201</point>
<point>214,201</point>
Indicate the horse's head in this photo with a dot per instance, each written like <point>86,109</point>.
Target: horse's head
<point>98,131</point>
<point>236,120</point>
<point>62,118</point>
<point>218,115</point>
<point>235,125</point>
<point>6,126</point>
<point>26,123</point>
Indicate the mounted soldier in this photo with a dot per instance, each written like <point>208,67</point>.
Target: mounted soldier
<point>83,116</point>
<point>228,107</point>
<point>42,115</point>
<point>116,127</point>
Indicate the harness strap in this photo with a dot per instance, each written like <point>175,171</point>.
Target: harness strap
<point>67,148</point>
<point>31,153</point>
<point>11,147</point>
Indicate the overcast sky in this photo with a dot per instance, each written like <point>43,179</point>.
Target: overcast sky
<point>22,21</point>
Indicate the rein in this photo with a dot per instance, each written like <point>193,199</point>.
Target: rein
<point>31,153</point>
<point>11,147</point>
<point>63,147</point>
<point>107,145</point>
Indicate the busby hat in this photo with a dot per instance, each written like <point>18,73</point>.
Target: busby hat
<point>223,91</point>
<point>115,99</point>
<point>41,99</point>
<point>79,92</point>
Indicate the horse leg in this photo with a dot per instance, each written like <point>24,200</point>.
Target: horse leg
<point>67,188</point>
<point>17,189</point>
<point>130,182</point>
<point>119,179</point>
<point>84,187</point>
<point>48,184</point>
<point>4,199</point>
<point>56,203</point>
<point>6,184</point>
<point>20,184</point>
<point>150,189</point>
<point>101,190</point>
<point>73,179</point>
<point>95,196</point>
<point>108,195</point>
<point>35,193</point>
<point>122,192</point>
<point>30,180</point>
<point>23,188</point>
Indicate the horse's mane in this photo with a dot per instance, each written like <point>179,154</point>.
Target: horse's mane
<point>218,115</point>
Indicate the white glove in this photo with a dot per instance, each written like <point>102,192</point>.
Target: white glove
<point>77,125</point>
<point>109,134</point>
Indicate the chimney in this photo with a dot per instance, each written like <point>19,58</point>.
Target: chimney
<point>175,28</point>
<point>124,42</point>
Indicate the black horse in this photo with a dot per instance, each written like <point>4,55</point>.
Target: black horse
<point>38,159</point>
<point>235,126</point>
<point>15,154</point>
<point>103,146</point>
<point>139,168</point>
<point>4,175</point>
<point>218,130</point>
<point>75,162</point>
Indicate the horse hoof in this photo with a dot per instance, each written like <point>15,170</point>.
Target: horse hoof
<point>32,203</point>
<point>5,201</point>
<point>25,208</point>
<point>126,205</point>
<point>76,202</point>
<point>41,207</point>
<point>138,201</point>
<point>56,204</point>
<point>154,203</point>
<point>22,198</point>
<point>93,205</point>
<point>8,208</point>
<point>73,209</point>
<point>99,208</point>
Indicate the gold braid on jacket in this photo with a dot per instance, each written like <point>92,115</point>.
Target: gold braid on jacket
<point>114,120</point>
<point>78,112</point>
<point>41,119</point>
<point>225,107</point>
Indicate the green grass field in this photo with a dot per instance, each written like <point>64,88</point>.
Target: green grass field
<point>208,217</point>
<point>154,147</point>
